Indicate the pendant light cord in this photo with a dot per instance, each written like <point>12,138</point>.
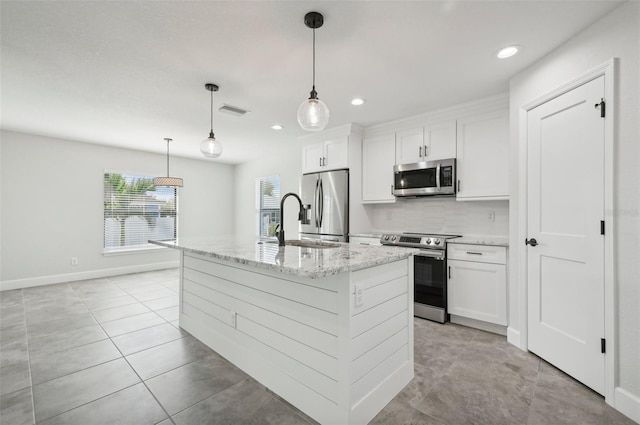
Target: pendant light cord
<point>167,157</point>
<point>211,111</point>
<point>314,60</point>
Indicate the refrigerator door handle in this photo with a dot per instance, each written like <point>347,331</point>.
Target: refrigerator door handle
<point>321,203</point>
<point>316,209</point>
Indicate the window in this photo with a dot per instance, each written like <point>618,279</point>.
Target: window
<point>268,205</point>
<point>136,211</point>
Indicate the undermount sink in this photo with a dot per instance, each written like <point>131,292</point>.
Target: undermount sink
<point>309,244</point>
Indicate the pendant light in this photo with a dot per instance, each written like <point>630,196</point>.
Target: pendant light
<point>313,114</point>
<point>210,147</point>
<point>168,181</point>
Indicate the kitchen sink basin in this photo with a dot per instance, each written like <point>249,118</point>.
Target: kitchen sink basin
<point>309,244</point>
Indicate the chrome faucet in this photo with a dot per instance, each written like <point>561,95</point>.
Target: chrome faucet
<point>302,216</point>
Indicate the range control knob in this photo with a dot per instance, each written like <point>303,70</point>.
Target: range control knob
<point>437,241</point>
<point>386,237</point>
<point>393,238</point>
<point>427,241</point>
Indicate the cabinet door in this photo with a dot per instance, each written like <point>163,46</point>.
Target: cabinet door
<point>377,169</point>
<point>410,146</point>
<point>440,140</point>
<point>477,291</point>
<point>336,153</point>
<point>483,156</point>
<point>312,158</point>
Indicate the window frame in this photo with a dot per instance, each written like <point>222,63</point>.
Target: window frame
<point>140,248</point>
<point>260,210</point>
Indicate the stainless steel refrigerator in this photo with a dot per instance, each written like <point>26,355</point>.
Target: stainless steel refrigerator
<point>328,195</point>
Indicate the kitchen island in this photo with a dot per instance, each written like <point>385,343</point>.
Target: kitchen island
<point>329,328</point>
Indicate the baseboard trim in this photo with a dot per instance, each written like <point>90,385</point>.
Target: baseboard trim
<point>627,404</point>
<point>479,324</point>
<point>513,337</point>
<point>90,274</point>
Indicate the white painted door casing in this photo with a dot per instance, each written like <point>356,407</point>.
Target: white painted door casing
<point>565,198</point>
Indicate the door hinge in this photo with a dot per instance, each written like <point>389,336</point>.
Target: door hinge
<point>603,345</point>
<point>602,227</point>
<point>602,107</point>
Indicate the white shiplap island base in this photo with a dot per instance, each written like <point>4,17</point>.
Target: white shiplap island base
<point>328,330</point>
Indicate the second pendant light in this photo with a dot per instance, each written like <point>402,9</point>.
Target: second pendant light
<point>210,147</point>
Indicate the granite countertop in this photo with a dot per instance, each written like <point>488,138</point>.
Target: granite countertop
<point>481,240</point>
<point>313,263</point>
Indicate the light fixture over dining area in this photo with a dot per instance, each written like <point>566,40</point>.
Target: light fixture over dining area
<point>168,180</point>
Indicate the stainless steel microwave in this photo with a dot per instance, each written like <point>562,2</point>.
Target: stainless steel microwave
<point>429,178</point>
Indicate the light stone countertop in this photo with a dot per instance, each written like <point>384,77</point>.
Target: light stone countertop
<point>480,240</point>
<point>301,261</point>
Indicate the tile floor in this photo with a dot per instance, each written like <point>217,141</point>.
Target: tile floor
<point>109,351</point>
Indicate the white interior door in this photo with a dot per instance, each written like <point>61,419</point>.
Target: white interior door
<point>565,193</point>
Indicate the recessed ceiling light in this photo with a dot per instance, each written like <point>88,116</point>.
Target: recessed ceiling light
<point>507,52</point>
<point>357,101</point>
<point>277,127</point>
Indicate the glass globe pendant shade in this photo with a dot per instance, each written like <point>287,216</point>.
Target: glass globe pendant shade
<point>313,114</point>
<point>210,147</point>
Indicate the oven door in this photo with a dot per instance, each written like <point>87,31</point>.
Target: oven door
<point>430,285</point>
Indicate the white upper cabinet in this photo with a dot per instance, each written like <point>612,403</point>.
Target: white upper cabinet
<point>409,146</point>
<point>440,140</point>
<point>428,143</point>
<point>483,156</point>
<point>378,155</point>
<point>329,154</point>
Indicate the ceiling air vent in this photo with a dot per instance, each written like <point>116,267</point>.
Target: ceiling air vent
<point>233,110</point>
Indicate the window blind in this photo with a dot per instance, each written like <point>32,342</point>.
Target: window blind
<point>268,203</point>
<point>135,211</point>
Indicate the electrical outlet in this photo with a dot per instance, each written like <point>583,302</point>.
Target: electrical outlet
<point>233,319</point>
<point>492,216</point>
<point>359,296</point>
<point>74,261</point>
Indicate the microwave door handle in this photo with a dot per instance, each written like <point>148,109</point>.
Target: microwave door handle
<point>438,176</point>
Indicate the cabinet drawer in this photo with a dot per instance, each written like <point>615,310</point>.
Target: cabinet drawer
<point>364,240</point>
<point>479,253</point>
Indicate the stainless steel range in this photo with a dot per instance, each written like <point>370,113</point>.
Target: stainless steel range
<point>429,272</point>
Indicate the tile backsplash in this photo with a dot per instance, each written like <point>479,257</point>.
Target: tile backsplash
<point>442,215</point>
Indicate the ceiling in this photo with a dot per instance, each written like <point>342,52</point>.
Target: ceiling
<point>130,73</point>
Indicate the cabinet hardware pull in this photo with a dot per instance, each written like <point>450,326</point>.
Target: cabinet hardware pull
<point>458,185</point>
<point>474,253</point>
<point>420,151</point>
<point>449,272</point>
<point>426,151</point>
<point>392,189</point>
<point>320,162</point>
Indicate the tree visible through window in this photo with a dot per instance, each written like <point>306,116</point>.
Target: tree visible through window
<point>135,211</point>
<point>268,205</point>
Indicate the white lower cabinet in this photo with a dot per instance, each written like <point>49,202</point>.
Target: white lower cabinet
<point>477,282</point>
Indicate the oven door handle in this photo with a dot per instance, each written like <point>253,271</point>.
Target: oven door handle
<point>431,254</point>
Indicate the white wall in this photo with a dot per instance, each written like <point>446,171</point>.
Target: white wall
<point>286,163</point>
<point>441,215</point>
<point>52,207</point>
<point>614,36</point>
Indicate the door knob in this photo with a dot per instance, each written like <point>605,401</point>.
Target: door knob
<point>532,242</point>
